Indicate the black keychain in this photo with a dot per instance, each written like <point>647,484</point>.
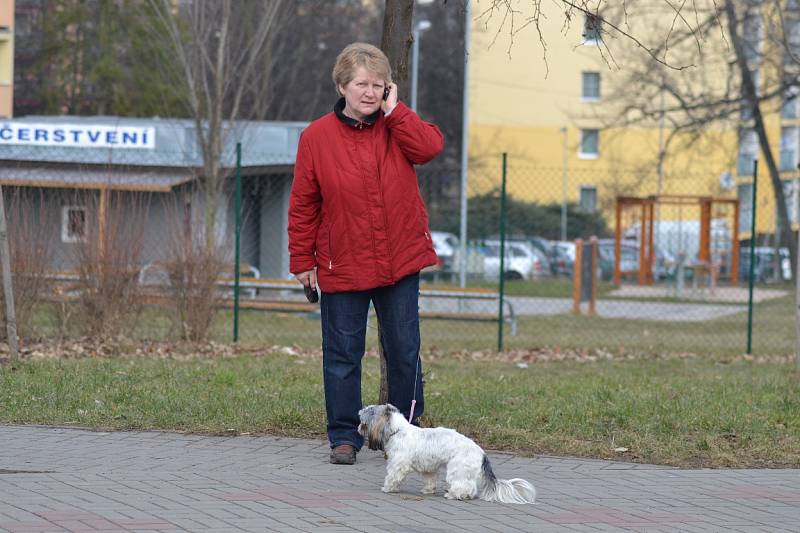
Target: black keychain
<point>311,294</point>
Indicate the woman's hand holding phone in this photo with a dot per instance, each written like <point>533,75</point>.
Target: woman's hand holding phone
<point>389,98</point>
<point>309,281</point>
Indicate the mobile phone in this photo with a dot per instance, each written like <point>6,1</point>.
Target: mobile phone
<point>386,92</point>
<point>311,294</point>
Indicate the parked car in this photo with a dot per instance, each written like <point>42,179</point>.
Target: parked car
<point>562,258</point>
<point>663,268</point>
<point>543,245</point>
<point>522,261</point>
<point>629,259</point>
<point>768,267</point>
<point>446,245</point>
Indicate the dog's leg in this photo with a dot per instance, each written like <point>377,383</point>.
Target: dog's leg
<point>430,482</point>
<point>461,486</point>
<point>396,473</point>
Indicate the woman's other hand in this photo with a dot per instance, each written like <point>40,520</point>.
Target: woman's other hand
<point>391,101</point>
<point>307,278</point>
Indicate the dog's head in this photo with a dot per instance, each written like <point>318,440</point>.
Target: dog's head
<point>376,424</point>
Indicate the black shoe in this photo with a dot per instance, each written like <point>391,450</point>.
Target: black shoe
<point>344,454</point>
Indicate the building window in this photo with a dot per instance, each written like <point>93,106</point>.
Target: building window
<point>792,35</point>
<point>588,199</point>
<point>744,192</point>
<point>791,193</point>
<point>748,150</point>
<point>789,106</point>
<point>752,38</point>
<point>590,142</point>
<point>592,29</point>
<point>789,147</point>
<point>590,90</point>
<point>73,224</point>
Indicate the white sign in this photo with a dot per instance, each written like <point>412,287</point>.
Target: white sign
<point>77,135</point>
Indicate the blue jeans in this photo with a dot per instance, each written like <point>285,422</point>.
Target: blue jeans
<point>344,330</point>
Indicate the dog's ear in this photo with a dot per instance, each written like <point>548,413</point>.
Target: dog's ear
<point>375,432</point>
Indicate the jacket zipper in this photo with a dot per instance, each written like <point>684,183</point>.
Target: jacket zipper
<point>330,249</point>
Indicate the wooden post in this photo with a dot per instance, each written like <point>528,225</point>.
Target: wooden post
<point>705,236</point>
<point>705,230</point>
<point>618,243</point>
<point>102,222</point>
<point>8,290</point>
<point>643,244</point>
<point>577,277</point>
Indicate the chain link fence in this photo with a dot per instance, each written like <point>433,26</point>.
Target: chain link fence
<point>148,250</point>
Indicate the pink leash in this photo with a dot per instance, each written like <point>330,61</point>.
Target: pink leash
<point>414,397</point>
<point>411,414</point>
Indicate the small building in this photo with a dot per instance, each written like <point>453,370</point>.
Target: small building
<point>70,168</point>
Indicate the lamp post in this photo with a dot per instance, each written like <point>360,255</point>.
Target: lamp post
<point>564,187</point>
<point>420,27</point>
<point>462,268</point>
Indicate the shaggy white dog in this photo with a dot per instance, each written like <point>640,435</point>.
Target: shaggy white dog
<point>409,448</point>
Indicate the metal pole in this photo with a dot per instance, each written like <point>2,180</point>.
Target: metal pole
<point>414,66</point>
<point>237,247</point>
<point>502,256</point>
<point>660,170</point>
<point>797,311</point>
<point>8,291</point>
<point>752,261</point>
<point>564,188</point>
<point>462,267</point>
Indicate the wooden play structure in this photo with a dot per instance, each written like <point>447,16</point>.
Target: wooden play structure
<point>584,276</point>
<point>717,260</point>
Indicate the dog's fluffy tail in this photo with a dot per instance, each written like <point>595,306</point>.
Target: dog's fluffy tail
<point>504,490</point>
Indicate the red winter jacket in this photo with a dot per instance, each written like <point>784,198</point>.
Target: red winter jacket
<point>355,210</point>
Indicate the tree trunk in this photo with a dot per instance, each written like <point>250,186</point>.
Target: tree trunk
<point>395,43</point>
<point>749,90</point>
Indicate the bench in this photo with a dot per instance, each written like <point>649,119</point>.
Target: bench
<point>252,285</point>
<point>467,294</point>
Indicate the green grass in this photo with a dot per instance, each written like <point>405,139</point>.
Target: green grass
<point>691,412</point>
<point>773,330</point>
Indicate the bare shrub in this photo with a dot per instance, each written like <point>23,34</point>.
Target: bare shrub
<point>30,242</point>
<point>108,261</point>
<point>193,268</point>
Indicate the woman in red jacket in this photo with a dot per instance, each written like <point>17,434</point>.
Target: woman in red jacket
<point>358,229</point>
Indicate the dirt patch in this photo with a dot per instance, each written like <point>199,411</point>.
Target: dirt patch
<point>123,347</point>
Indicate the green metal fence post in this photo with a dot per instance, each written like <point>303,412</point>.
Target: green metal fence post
<point>752,261</point>
<point>236,266</point>
<point>502,256</point>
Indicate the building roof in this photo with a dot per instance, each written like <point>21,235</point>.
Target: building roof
<point>151,180</point>
<point>264,143</point>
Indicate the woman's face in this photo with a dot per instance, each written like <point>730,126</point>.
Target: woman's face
<point>364,93</point>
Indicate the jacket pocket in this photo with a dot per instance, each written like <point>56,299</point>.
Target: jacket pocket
<point>333,254</point>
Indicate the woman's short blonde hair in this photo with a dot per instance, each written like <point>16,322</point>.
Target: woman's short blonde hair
<point>360,55</point>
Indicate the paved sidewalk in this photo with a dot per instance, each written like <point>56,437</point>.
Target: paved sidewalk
<point>635,310</point>
<point>56,479</point>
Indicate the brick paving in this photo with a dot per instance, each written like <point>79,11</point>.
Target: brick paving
<point>65,479</point>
